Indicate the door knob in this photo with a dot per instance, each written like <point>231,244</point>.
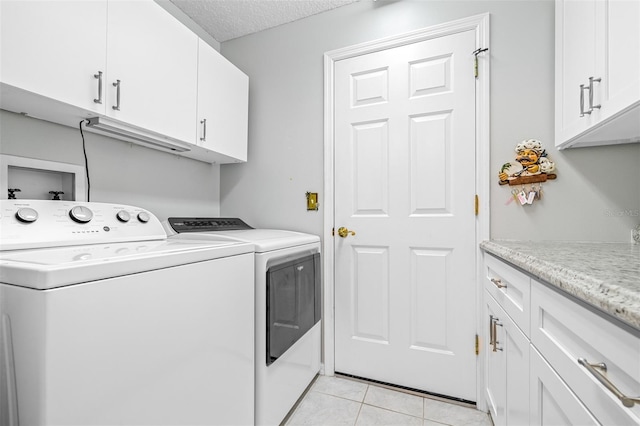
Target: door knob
<point>344,232</point>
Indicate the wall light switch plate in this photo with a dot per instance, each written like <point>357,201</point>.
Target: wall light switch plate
<point>312,201</point>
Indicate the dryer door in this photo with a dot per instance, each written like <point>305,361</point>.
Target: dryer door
<point>293,302</point>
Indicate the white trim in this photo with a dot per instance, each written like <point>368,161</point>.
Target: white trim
<point>328,310</point>
<point>483,188</point>
<point>479,24</point>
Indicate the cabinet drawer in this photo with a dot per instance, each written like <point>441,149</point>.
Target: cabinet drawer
<point>510,288</point>
<point>552,402</point>
<point>564,331</point>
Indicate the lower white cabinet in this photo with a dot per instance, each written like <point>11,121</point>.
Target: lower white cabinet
<point>574,366</point>
<point>552,401</point>
<point>507,363</point>
<point>565,332</point>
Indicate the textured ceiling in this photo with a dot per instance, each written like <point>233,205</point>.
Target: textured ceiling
<point>228,19</point>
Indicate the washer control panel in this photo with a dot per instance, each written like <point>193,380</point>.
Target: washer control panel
<point>48,223</point>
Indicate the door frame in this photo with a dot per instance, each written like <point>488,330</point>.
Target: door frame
<point>479,24</point>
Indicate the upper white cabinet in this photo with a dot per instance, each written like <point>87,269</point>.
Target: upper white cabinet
<point>129,63</point>
<point>53,49</point>
<point>223,94</point>
<point>597,79</point>
<point>152,62</point>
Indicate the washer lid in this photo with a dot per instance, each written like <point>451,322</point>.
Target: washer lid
<point>263,239</point>
<point>56,267</point>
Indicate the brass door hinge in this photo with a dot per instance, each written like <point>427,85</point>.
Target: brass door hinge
<point>477,345</point>
<point>477,204</point>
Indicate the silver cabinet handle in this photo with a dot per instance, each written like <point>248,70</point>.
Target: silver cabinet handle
<point>117,86</point>
<point>204,129</point>
<point>493,332</point>
<point>99,77</point>
<point>492,337</point>
<point>498,283</point>
<point>591,105</point>
<point>582,111</point>
<point>592,368</point>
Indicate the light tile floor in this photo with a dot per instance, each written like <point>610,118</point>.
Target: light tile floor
<point>341,401</point>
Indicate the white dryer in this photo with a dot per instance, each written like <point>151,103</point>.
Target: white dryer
<point>104,321</point>
<point>288,307</point>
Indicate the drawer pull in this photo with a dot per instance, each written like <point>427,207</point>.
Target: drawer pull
<point>592,368</point>
<point>498,283</point>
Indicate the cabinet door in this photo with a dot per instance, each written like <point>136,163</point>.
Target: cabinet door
<point>507,368</point>
<point>575,63</point>
<point>223,95</point>
<point>495,380</point>
<point>516,348</point>
<point>552,402</point>
<point>54,49</point>
<point>618,48</point>
<point>154,57</point>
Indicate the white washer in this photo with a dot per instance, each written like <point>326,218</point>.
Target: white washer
<point>287,360</point>
<point>103,321</point>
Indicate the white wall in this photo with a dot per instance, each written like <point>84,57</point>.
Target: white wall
<point>594,197</point>
<point>120,172</point>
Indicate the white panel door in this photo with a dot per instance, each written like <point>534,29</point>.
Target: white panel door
<point>155,58</point>
<point>405,292</point>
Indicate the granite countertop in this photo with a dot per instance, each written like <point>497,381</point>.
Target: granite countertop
<point>605,275</point>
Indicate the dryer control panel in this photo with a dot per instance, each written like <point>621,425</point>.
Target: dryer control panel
<point>47,223</point>
<point>206,224</point>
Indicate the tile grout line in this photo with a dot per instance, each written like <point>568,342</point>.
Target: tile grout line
<point>361,404</point>
<point>311,389</point>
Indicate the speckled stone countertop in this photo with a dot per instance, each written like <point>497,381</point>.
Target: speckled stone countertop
<point>605,275</point>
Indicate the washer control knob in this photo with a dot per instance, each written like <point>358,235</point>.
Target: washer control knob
<point>26,215</point>
<point>81,214</point>
<point>144,217</point>
<point>123,216</point>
